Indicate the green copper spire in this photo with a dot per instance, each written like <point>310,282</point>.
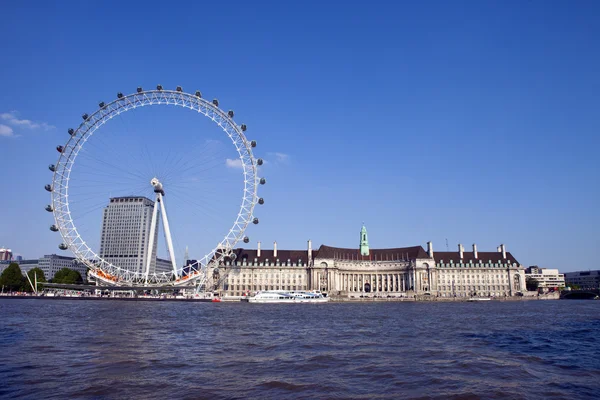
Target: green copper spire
<point>364,242</point>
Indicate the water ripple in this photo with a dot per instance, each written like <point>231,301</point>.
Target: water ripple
<point>90,350</point>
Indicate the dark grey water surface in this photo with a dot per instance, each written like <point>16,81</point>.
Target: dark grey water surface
<point>115,349</point>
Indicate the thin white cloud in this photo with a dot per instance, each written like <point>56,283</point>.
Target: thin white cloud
<point>280,158</point>
<point>6,131</point>
<point>11,118</point>
<point>233,163</point>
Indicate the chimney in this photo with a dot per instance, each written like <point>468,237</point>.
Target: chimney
<point>309,250</point>
<point>503,251</point>
<point>275,249</point>
<point>475,250</point>
<point>499,249</point>
<point>460,250</point>
<point>258,250</point>
<point>430,249</point>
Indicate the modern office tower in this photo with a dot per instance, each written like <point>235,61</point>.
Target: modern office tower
<point>125,231</point>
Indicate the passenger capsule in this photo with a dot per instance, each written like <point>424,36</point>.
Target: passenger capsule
<point>52,167</point>
<point>85,117</point>
<point>159,87</point>
<point>243,126</point>
<point>246,239</point>
<point>139,89</point>
<point>233,256</point>
<point>253,143</point>
<point>259,161</point>
<point>255,221</point>
<point>179,89</point>
<point>263,181</point>
<point>261,201</point>
<point>119,95</point>
<point>54,228</point>
<point>48,188</point>
<point>198,94</point>
<point>101,104</point>
<point>71,131</point>
<point>49,208</point>
<point>230,113</point>
<point>63,246</point>
<point>59,149</point>
<point>216,102</point>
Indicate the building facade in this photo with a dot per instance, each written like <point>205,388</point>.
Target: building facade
<point>583,279</point>
<point>49,264</point>
<point>363,271</point>
<point>475,273</point>
<point>5,254</point>
<point>126,223</point>
<point>24,265</point>
<point>545,278</point>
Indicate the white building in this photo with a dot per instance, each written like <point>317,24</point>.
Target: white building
<point>52,263</point>
<point>126,225</point>
<point>477,273</point>
<point>49,264</point>
<point>545,278</point>
<point>373,272</point>
<point>583,279</point>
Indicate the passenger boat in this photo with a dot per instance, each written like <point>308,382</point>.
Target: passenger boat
<point>280,296</point>
<point>479,299</point>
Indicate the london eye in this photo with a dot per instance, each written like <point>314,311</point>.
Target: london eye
<point>86,141</point>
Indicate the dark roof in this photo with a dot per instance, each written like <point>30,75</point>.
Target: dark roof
<point>484,256</point>
<point>400,253</point>
<point>282,255</point>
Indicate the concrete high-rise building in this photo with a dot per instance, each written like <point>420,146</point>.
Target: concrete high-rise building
<point>5,254</point>
<point>126,223</point>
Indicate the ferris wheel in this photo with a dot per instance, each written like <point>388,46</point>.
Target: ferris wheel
<point>101,268</point>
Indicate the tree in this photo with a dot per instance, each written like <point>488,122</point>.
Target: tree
<point>12,279</point>
<point>32,274</point>
<point>67,275</point>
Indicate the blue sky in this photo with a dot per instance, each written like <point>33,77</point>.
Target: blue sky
<point>475,122</point>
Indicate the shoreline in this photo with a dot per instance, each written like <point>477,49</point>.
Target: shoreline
<point>225,300</point>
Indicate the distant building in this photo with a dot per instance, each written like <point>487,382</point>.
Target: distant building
<point>583,279</point>
<point>163,265</point>
<point>19,258</point>
<point>365,271</point>
<point>49,264</point>
<point>125,232</point>
<point>25,265</point>
<point>5,254</point>
<point>545,278</point>
<point>53,263</point>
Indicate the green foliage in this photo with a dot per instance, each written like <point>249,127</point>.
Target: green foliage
<point>12,279</point>
<point>67,275</point>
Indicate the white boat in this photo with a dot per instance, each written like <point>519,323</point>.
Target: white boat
<point>281,296</point>
<point>479,299</point>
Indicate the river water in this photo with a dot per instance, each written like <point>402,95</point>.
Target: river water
<point>118,349</point>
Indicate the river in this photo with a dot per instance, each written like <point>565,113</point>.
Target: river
<point>118,349</point>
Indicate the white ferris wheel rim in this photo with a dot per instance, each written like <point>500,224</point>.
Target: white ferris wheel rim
<point>102,269</point>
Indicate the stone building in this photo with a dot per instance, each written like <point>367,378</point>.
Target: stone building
<point>364,271</point>
<point>461,273</point>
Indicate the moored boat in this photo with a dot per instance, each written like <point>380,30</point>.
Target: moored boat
<point>281,296</point>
